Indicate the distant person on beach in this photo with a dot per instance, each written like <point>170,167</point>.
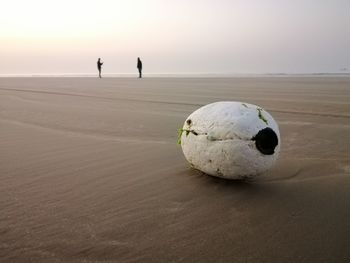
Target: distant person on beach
<point>99,67</point>
<point>139,67</point>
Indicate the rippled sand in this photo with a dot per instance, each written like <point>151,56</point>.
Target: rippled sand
<point>90,172</point>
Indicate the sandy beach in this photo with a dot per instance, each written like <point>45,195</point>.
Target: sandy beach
<point>90,172</point>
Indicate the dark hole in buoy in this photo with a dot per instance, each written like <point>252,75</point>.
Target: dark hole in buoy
<point>266,141</point>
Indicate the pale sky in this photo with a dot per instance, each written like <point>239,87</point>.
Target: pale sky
<point>174,36</point>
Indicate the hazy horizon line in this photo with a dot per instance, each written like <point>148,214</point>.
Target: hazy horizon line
<point>127,75</point>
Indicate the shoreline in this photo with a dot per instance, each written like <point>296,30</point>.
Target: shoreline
<point>180,75</point>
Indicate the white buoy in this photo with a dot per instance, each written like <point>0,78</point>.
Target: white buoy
<point>232,140</point>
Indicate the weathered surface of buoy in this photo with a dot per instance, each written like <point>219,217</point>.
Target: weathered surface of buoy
<point>232,140</point>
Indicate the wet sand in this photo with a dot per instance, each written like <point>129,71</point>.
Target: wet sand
<point>90,172</point>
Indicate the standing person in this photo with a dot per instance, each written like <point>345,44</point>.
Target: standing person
<point>99,67</point>
<point>139,67</point>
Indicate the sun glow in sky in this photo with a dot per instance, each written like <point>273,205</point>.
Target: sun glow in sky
<point>183,36</point>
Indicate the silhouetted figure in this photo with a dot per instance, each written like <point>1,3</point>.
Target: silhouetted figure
<point>99,67</point>
<point>139,67</point>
